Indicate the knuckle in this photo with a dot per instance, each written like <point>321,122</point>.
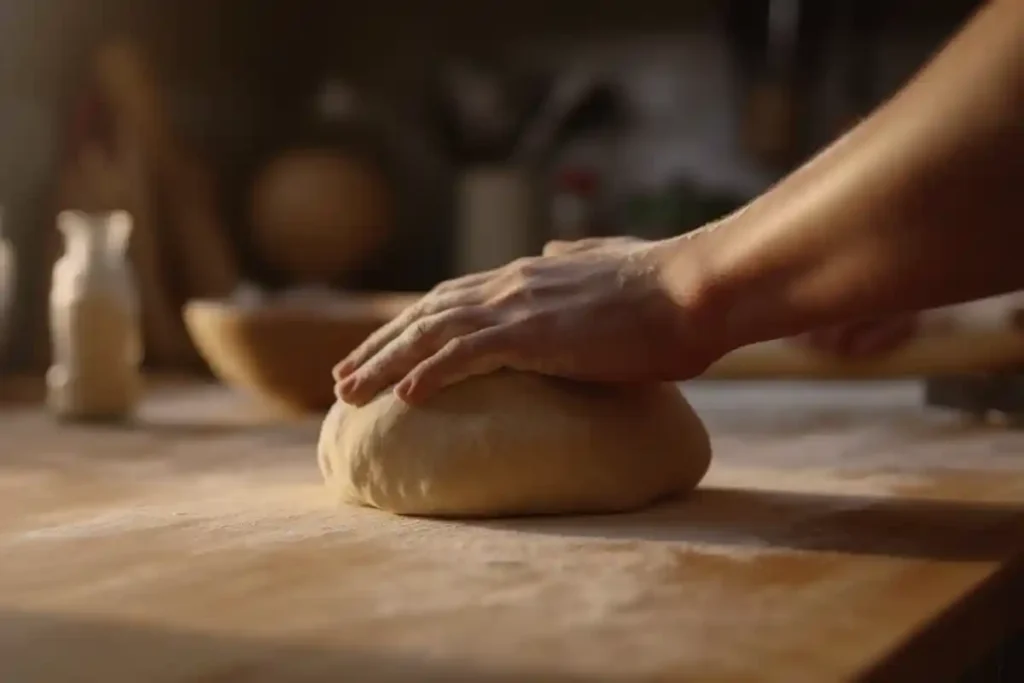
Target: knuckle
<point>523,294</point>
<point>511,296</point>
<point>420,331</point>
<point>531,266</point>
<point>461,321</point>
<point>361,352</point>
<point>395,327</point>
<point>556,247</point>
<point>425,307</point>
<point>429,329</point>
<point>462,352</point>
<point>452,286</point>
<point>377,340</point>
<point>521,262</point>
<point>445,287</point>
<point>431,305</point>
<point>525,267</point>
<point>456,347</point>
<point>520,283</point>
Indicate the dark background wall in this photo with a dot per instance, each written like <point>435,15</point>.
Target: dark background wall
<point>241,77</point>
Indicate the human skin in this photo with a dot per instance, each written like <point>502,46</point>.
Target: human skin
<point>917,206</point>
<point>855,339</point>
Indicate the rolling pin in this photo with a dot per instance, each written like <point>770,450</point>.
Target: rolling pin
<point>980,336</point>
<point>963,351</point>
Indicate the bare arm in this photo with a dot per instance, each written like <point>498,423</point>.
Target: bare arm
<point>920,205</point>
<point>916,207</point>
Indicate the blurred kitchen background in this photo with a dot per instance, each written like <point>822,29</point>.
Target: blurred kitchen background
<point>388,145</point>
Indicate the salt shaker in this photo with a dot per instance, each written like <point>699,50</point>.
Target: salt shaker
<point>95,329</point>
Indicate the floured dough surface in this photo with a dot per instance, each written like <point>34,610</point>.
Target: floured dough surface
<point>513,443</point>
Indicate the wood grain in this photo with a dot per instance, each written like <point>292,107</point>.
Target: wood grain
<point>840,528</point>
<point>978,336</point>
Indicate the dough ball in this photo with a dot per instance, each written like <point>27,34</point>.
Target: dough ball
<point>513,443</point>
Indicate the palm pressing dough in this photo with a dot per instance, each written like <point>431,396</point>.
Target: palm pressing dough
<point>513,443</point>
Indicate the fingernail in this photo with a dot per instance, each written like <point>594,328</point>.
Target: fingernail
<point>342,369</point>
<point>348,386</point>
<point>403,389</point>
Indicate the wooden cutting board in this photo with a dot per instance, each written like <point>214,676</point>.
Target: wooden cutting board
<point>843,533</point>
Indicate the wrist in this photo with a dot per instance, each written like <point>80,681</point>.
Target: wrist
<point>688,270</point>
<point>735,284</point>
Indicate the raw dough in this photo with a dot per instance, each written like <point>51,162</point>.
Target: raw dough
<point>513,443</point>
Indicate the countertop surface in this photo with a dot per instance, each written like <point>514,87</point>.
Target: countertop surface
<point>844,532</point>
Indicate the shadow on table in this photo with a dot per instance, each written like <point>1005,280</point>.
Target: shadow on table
<point>937,424</point>
<point>166,428</point>
<point>751,518</point>
<point>182,447</point>
<point>48,648</point>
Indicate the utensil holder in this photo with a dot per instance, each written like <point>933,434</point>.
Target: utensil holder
<point>496,213</point>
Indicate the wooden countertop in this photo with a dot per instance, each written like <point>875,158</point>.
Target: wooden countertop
<point>844,533</point>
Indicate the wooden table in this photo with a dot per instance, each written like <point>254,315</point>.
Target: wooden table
<point>843,533</point>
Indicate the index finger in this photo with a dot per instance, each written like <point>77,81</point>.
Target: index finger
<point>477,353</point>
<point>390,331</point>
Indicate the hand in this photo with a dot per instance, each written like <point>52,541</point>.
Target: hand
<point>560,247</point>
<point>601,313</point>
<point>863,339</point>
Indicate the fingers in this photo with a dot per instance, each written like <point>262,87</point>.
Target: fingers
<point>864,339</point>
<point>557,247</point>
<point>448,294</point>
<point>462,283</point>
<point>428,305</point>
<point>420,340</point>
<point>477,353</point>
<point>878,339</point>
<point>830,339</point>
<point>560,247</point>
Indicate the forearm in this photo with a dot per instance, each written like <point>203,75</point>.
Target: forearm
<point>918,206</point>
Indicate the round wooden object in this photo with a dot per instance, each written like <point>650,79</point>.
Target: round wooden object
<point>317,214</point>
<point>284,352</point>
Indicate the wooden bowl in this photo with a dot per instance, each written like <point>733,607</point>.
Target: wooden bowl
<point>283,352</point>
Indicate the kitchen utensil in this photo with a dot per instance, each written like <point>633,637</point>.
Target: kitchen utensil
<point>496,212</point>
<point>481,109</point>
<point>978,337</point>
<point>602,108</point>
<point>540,132</point>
